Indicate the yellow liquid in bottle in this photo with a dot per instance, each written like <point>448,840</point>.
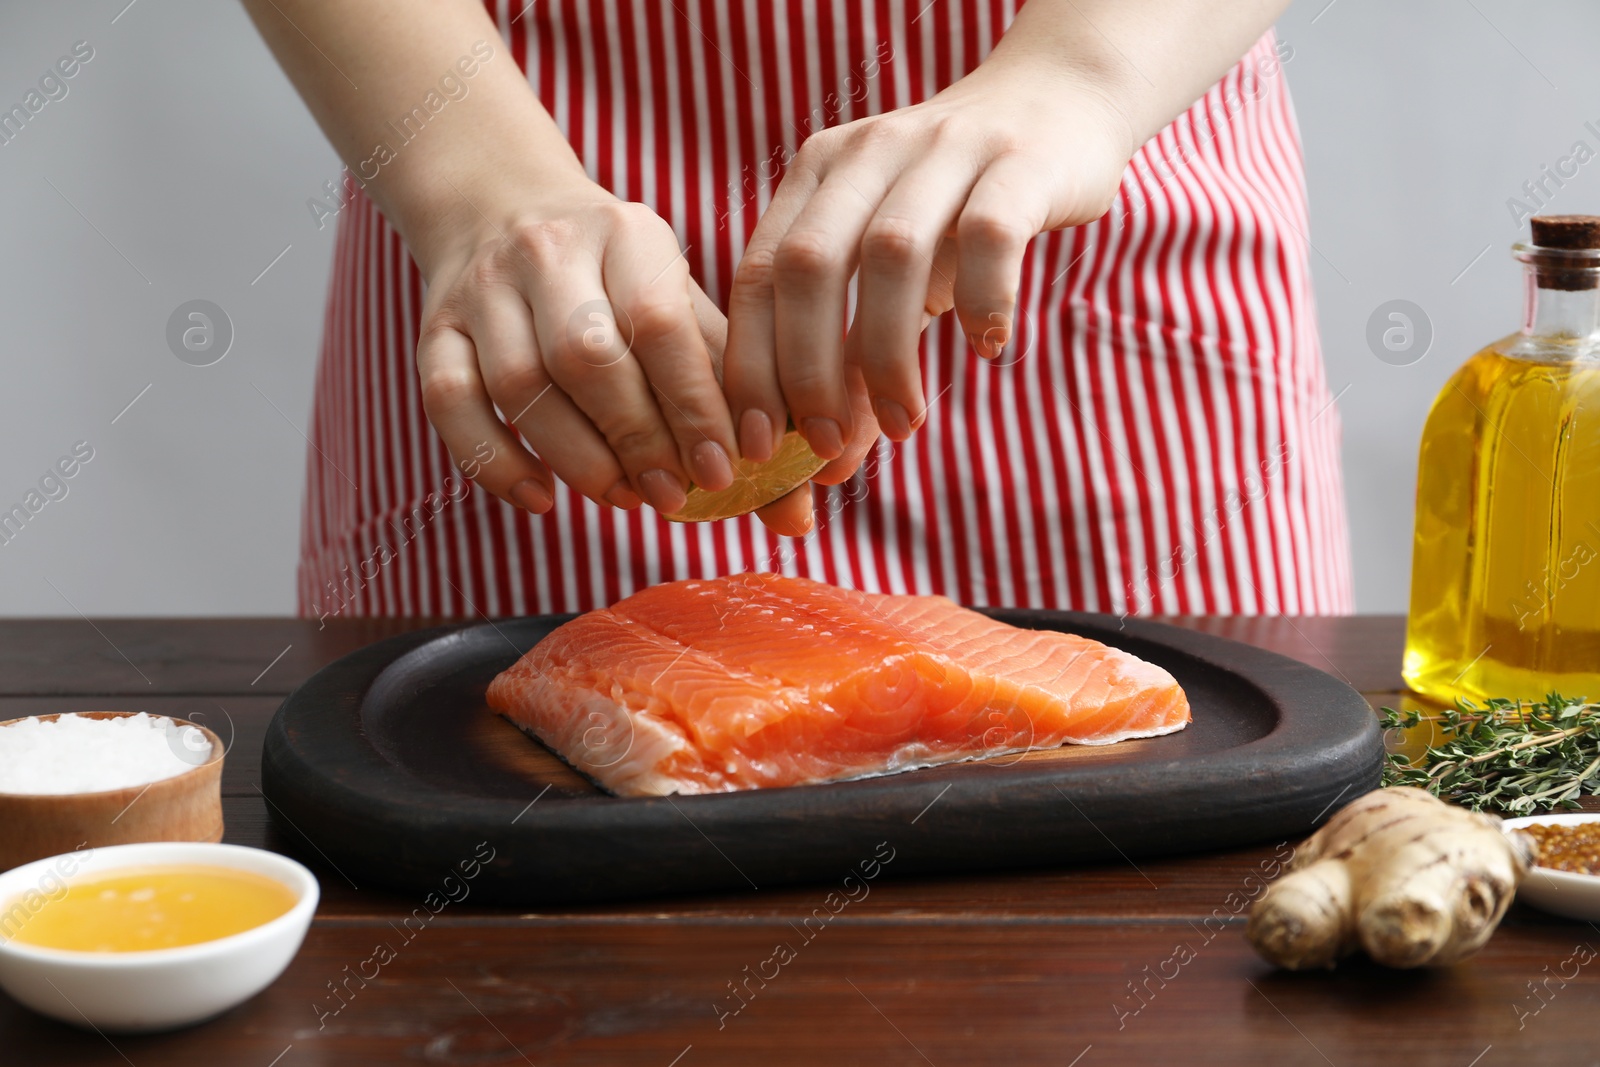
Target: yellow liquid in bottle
<point>142,908</point>
<point>1505,587</point>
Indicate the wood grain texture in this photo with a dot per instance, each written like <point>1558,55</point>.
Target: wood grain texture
<point>1020,968</point>
<point>158,657</point>
<point>151,657</point>
<point>860,991</point>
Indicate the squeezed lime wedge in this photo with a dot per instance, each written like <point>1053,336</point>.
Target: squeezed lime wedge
<point>755,485</point>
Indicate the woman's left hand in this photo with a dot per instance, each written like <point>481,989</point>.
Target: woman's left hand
<point>933,205</point>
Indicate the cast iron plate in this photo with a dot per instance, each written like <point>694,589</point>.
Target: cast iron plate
<point>391,765</point>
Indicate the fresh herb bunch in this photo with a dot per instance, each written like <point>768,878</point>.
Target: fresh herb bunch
<point>1510,756</point>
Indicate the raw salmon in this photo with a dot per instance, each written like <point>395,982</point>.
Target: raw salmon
<point>762,680</point>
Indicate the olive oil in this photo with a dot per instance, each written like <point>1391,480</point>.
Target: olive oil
<point>141,908</point>
<point>1505,587</point>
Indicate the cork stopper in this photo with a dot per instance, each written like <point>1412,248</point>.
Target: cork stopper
<point>1567,232</point>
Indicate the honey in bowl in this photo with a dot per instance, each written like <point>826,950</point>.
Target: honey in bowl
<point>141,908</point>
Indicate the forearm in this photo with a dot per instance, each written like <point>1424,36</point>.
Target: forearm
<point>424,103</point>
<point>1150,60</point>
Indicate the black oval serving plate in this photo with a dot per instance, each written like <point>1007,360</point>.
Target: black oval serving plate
<point>392,766</point>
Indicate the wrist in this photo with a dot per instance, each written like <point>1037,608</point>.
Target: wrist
<point>1048,48</point>
<point>1038,80</point>
<point>443,215</point>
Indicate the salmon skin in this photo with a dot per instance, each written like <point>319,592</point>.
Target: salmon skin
<point>761,680</point>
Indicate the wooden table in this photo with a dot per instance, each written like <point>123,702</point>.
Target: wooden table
<point>1125,963</point>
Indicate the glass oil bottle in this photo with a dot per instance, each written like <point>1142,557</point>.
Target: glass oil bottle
<point>1505,580</point>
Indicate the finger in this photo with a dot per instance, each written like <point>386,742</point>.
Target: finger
<point>791,515</point>
<point>458,406</point>
<point>520,386</point>
<point>898,272</point>
<point>1002,214</point>
<point>659,323</point>
<point>587,356</point>
<point>942,282</point>
<point>861,440</point>
<point>750,366</point>
<point>811,274</point>
<point>713,327</point>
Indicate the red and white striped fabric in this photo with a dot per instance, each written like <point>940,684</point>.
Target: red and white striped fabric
<point>1162,441</point>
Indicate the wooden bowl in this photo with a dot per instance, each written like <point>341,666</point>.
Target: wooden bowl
<point>184,807</point>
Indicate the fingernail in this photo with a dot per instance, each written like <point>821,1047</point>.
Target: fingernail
<point>662,489</point>
<point>991,343</point>
<point>711,467</point>
<point>823,435</point>
<point>755,436</point>
<point>892,418</point>
<point>531,495</point>
<point>622,496</point>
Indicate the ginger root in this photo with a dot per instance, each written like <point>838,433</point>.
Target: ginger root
<point>1399,873</point>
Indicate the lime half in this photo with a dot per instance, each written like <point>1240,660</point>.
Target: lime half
<point>755,485</point>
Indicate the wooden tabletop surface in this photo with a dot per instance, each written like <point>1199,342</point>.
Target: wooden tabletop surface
<point>1123,963</point>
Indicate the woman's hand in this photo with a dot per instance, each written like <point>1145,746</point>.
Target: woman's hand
<point>933,205</point>
<point>575,313</point>
<point>575,316</point>
<point>571,311</point>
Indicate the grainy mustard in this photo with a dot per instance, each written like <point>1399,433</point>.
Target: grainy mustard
<point>1568,846</point>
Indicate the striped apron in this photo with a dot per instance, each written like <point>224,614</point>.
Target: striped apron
<point>1159,438</point>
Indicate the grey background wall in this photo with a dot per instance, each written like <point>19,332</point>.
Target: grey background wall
<point>178,165</point>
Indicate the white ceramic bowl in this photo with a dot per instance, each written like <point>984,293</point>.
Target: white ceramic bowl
<point>162,988</point>
<point>1576,896</point>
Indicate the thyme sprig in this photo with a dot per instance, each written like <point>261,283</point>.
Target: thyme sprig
<point>1516,757</point>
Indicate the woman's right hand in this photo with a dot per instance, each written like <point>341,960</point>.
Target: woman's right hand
<point>569,310</point>
<point>576,316</point>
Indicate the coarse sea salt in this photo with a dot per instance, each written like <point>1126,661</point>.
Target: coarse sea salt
<point>77,754</point>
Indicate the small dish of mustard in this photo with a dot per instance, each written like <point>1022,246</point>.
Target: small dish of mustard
<point>1566,878</point>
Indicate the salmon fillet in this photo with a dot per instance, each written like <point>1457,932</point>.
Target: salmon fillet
<point>761,680</point>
